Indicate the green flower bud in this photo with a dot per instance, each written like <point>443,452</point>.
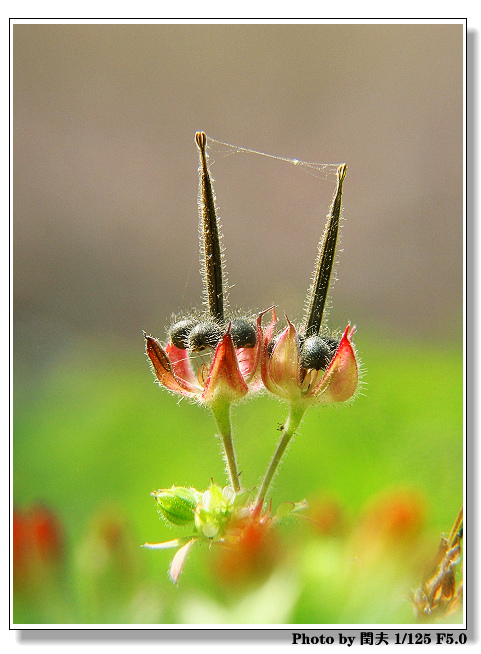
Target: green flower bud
<point>177,504</point>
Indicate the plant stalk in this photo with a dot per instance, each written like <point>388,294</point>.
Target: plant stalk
<point>221,411</point>
<point>293,421</point>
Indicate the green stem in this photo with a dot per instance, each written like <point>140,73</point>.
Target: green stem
<point>293,421</point>
<point>221,411</point>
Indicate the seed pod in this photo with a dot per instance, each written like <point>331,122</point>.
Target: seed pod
<point>243,333</point>
<point>324,264</point>
<point>204,334</point>
<point>179,332</point>
<point>315,353</point>
<point>332,342</point>
<point>211,252</point>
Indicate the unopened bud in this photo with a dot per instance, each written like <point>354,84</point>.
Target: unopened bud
<point>177,504</point>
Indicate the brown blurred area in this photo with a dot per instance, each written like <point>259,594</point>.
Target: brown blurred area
<point>105,173</point>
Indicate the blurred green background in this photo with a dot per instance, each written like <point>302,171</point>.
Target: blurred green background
<point>105,245</point>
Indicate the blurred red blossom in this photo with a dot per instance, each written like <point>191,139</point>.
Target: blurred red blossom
<point>37,542</point>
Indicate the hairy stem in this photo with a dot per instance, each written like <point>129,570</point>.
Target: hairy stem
<point>293,421</point>
<point>211,249</point>
<point>325,262</point>
<point>221,411</point>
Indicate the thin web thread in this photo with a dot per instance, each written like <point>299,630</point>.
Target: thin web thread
<point>319,170</point>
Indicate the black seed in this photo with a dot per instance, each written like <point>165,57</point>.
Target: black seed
<point>179,332</point>
<point>243,333</point>
<point>205,334</point>
<point>316,353</point>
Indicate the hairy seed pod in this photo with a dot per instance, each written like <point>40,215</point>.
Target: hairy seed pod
<point>243,333</point>
<point>317,352</point>
<point>318,292</point>
<point>179,332</point>
<point>211,251</point>
<point>332,342</point>
<point>204,334</point>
